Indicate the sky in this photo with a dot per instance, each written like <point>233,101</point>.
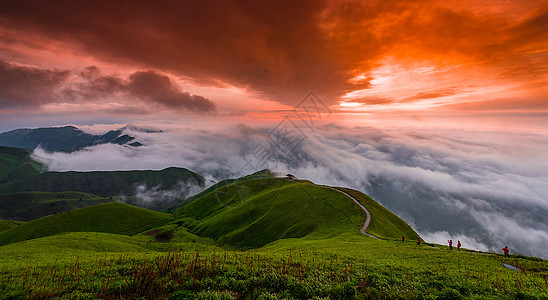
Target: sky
<point>438,109</point>
<point>424,63</point>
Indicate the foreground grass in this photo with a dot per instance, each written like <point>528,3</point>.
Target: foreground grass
<point>348,266</point>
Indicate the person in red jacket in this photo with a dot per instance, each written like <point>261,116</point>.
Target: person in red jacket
<point>506,251</point>
<point>419,241</point>
<point>458,245</point>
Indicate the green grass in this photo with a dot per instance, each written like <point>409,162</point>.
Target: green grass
<point>311,249</point>
<point>255,212</point>
<point>90,265</point>
<point>15,164</point>
<point>263,174</point>
<point>7,224</point>
<point>102,183</point>
<point>27,206</point>
<point>108,218</point>
<point>383,222</point>
<point>20,173</point>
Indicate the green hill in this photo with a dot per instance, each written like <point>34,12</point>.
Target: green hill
<point>266,173</point>
<point>255,212</point>
<point>313,249</point>
<point>27,206</point>
<point>103,183</point>
<point>7,224</point>
<point>383,222</point>
<point>20,173</point>
<point>16,164</point>
<point>108,218</point>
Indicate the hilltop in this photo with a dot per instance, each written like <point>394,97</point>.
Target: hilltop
<point>254,212</point>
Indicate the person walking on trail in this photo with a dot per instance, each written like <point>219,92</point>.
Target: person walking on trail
<point>458,245</point>
<point>402,239</point>
<point>506,251</point>
<point>450,244</point>
<point>419,241</point>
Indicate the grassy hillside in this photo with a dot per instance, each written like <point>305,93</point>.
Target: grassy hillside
<point>6,224</point>
<point>256,212</point>
<point>16,164</point>
<point>103,183</point>
<point>383,222</point>
<point>312,250</point>
<point>27,206</point>
<point>263,174</point>
<point>109,218</point>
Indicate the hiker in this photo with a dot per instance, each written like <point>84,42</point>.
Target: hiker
<point>450,244</point>
<point>402,239</point>
<point>419,241</point>
<point>506,251</point>
<point>458,245</point>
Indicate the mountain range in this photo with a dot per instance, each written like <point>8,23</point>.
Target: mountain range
<point>67,138</point>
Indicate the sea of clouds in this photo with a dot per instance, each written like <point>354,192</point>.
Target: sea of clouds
<point>486,189</point>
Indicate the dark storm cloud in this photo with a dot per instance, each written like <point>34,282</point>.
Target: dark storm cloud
<point>151,86</point>
<point>280,48</point>
<point>23,86</point>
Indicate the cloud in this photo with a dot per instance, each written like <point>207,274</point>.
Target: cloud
<point>25,86</point>
<point>151,86</point>
<point>444,92</point>
<point>484,188</point>
<point>284,49</point>
<point>157,199</point>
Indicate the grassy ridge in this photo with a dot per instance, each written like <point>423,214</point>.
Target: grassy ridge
<point>108,218</point>
<point>263,174</point>
<point>253,213</point>
<point>6,224</point>
<point>312,250</point>
<point>15,164</point>
<point>383,222</point>
<point>27,206</point>
<point>102,183</point>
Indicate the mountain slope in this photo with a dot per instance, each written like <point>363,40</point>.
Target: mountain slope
<point>65,138</point>
<point>20,173</point>
<point>27,206</point>
<point>256,212</point>
<point>103,183</point>
<point>16,163</point>
<point>5,224</point>
<point>266,173</point>
<point>107,218</point>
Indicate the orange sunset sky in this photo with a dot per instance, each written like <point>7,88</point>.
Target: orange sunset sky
<point>481,63</point>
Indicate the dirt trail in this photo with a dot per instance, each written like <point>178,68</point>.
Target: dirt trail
<point>367,220</point>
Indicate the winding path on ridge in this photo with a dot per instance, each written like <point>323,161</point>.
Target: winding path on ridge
<point>368,218</point>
